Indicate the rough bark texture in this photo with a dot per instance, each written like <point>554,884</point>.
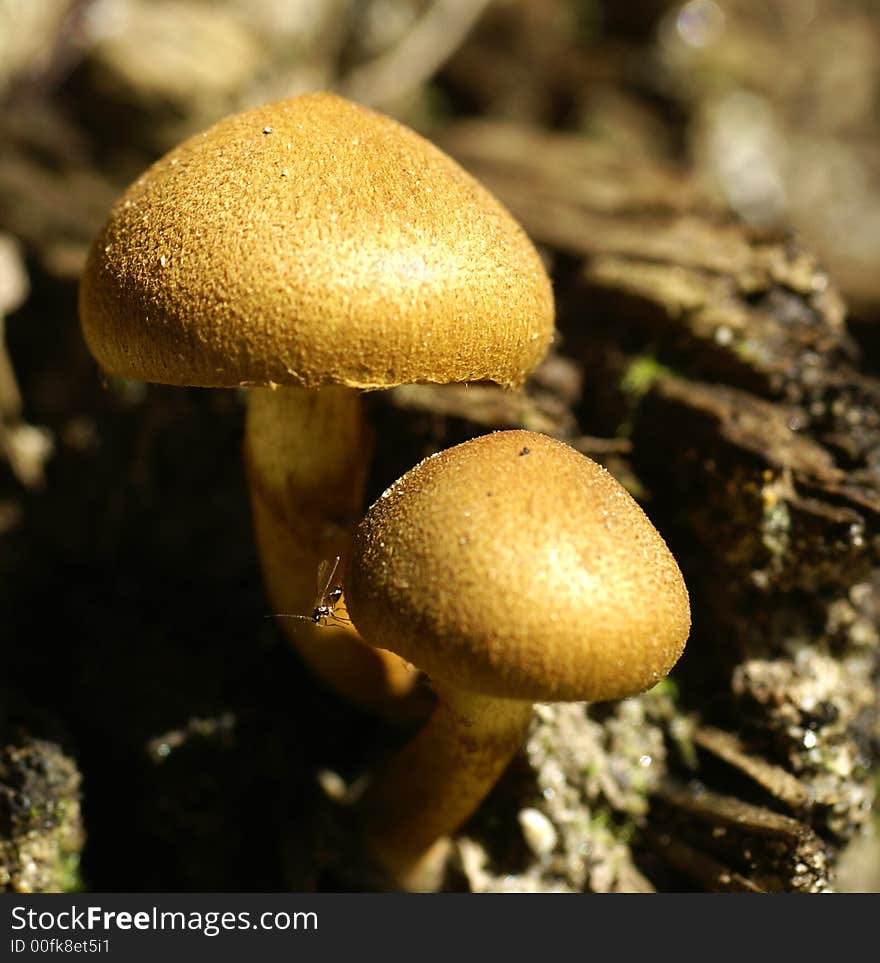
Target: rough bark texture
<point>722,355</point>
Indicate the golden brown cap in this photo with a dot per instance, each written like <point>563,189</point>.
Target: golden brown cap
<point>307,242</point>
<point>514,566</point>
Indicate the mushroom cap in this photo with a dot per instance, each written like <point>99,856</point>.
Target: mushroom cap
<point>308,242</point>
<point>513,566</point>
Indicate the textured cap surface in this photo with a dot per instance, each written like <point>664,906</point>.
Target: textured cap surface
<point>312,241</point>
<point>514,566</point>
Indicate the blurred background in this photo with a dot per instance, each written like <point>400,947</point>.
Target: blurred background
<point>703,180</point>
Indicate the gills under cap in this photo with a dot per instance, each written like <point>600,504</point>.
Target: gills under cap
<point>308,242</point>
<point>514,566</point>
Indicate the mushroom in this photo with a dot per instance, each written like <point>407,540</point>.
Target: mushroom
<point>308,250</point>
<point>511,569</point>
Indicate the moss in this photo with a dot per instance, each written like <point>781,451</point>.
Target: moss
<point>68,874</point>
<point>635,382</point>
<point>640,374</point>
<point>607,824</point>
<point>666,688</point>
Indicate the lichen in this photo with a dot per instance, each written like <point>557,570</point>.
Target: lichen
<point>41,832</point>
<point>588,772</point>
<point>809,702</point>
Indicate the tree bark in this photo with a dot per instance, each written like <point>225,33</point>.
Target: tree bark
<point>722,355</point>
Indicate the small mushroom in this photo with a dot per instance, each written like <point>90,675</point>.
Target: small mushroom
<point>511,569</point>
<point>311,249</point>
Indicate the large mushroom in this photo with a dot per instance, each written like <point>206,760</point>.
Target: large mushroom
<point>512,570</point>
<point>308,250</point>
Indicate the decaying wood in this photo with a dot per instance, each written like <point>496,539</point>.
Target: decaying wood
<point>730,846</point>
<point>41,829</point>
<point>781,784</point>
<point>723,355</point>
<point>709,366</point>
<point>51,197</point>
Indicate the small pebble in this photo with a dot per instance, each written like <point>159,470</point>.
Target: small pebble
<point>539,833</point>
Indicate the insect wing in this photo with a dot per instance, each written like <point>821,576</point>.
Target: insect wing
<point>326,572</point>
<point>326,594</point>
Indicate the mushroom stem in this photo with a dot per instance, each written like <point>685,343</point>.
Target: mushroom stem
<point>409,806</point>
<point>306,454</point>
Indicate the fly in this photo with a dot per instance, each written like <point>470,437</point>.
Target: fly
<point>327,595</point>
